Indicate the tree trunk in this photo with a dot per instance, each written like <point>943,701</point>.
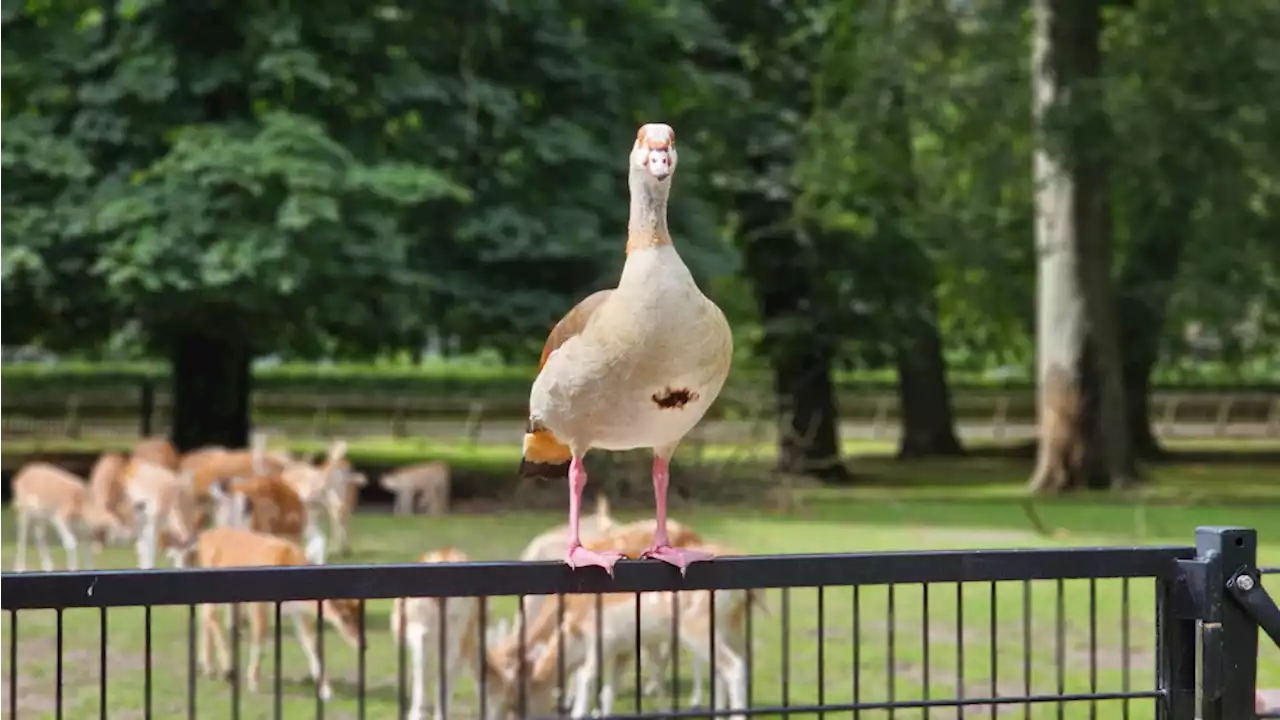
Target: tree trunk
<point>796,339</point>
<point>808,425</point>
<point>928,423</point>
<point>1160,236</point>
<point>1083,434</point>
<point>212,380</point>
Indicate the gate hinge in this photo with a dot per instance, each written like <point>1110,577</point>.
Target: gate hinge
<point>1245,585</point>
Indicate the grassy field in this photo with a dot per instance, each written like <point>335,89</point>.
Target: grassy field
<point>970,504</point>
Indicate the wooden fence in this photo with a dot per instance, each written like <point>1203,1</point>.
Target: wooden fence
<point>115,414</point>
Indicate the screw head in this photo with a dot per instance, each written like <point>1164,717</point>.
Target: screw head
<point>1245,582</point>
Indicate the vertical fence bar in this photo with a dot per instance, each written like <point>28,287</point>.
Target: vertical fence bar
<point>146,653</point>
<point>1093,647</point>
<point>786,646</point>
<point>323,680</point>
<point>483,670</point>
<point>192,640</point>
<point>995,656</point>
<point>362,661</point>
<point>1026,647</point>
<point>444,661</point>
<point>402,703</point>
<point>560,653</point>
<point>13,664</point>
<point>1236,642</point>
<point>636,679</point>
<point>277,691</point>
<point>1175,657</point>
<point>1060,643</point>
<point>960,690</point>
<point>57,690</point>
<point>675,652</point>
<point>102,664</point>
<point>750,640</point>
<point>924,646</point>
<point>236,679</point>
<point>857,650</point>
<point>891,645</point>
<point>822,653</point>
<point>711,641</point>
<point>1125,659</point>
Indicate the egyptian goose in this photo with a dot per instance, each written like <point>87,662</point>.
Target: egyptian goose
<point>632,367</point>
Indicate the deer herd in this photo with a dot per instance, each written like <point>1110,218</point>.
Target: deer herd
<point>256,506</point>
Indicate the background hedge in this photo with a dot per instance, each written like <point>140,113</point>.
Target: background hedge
<point>491,380</point>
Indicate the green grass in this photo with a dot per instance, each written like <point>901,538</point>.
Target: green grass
<point>970,504</point>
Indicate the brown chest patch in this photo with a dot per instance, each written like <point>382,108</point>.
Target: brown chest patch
<point>674,398</point>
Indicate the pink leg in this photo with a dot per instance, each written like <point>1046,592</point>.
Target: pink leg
<point>579,556</point>
<point>661,548</point>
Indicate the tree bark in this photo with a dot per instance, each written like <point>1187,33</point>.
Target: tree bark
<point>212,381</point>
<point>808,424</point>
<point>928,423</point>
<point>797,340</point>
<point>1083,434</point>
<point>1160,236</point>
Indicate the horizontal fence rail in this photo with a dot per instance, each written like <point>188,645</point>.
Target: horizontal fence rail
<point>740,418</point>
<point>1079,632</point>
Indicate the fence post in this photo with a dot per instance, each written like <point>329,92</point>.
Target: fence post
<point>1230,636</point>
<point>146,407</point>
<point>1224,415</point>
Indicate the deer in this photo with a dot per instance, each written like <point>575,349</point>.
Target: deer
<point>419,488</point>
<point>45,495</point>
<point>106,486</point>
<point>574,638</point>
<point>341,504</point>
<point>223,547</point>
<point>156,450</point>
<point>602,532</point>
<point>419,623</point>
<point>162,504</point>
<point>205,466</point>
<point>319,488</point>
<point>266,504</point>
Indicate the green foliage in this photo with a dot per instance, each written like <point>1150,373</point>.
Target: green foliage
<point>347,181</point>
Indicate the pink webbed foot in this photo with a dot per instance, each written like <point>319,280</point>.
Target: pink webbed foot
<point>581,557</point>
<point>680,557</point>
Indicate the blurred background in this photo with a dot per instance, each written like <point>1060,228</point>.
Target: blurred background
<point>335,220</point>
<point>1000,274</point>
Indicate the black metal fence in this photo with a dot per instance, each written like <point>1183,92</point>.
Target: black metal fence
<point>1138,632</point>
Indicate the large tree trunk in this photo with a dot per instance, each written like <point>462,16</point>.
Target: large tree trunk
<point>212,380</point>
<point>1083,434</point>
<point>807,417</point>
<point>797,339</point>
<point>928,423</point>
<point>1160,235</point>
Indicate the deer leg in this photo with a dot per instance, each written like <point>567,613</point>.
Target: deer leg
<point>416,636</point>
<point>453,647</point>
<point>69,543</point>
<point>24,531</point>
<point>147,540</point>
<point>42,545</point>
<point>306,637</point>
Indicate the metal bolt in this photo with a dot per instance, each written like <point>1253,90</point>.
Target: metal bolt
<point>1245,582</point>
